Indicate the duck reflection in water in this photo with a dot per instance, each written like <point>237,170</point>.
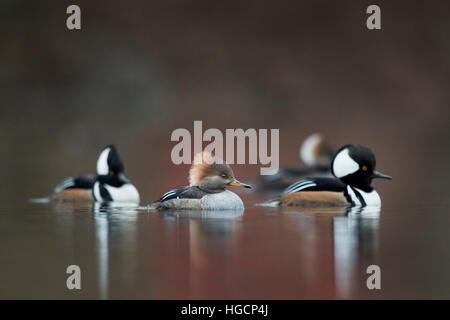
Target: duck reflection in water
<point>210,238</point>
<point>215,227</point>
<point>352,245</point>
<point>355,239</point>
<point>116,240</point>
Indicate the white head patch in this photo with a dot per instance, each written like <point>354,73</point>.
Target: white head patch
<point>344,165</point>
<point>102,162</point>
<point>308,151</point>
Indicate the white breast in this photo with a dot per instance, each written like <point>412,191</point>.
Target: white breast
<point>225,200</point>
<point>97,195</point>
<point>371,198</point>
<point>125,193</point>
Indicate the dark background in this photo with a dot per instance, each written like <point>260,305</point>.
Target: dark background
<point>138,70</point>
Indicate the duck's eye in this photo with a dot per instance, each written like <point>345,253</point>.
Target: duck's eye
<point>223,175</point>
<point>364,168</point>
<point>111,172</point>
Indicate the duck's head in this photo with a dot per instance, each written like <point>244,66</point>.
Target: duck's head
<point>355,164</point>
<point>110,166</point>
<point>315,152</point>
<point>211,174</point>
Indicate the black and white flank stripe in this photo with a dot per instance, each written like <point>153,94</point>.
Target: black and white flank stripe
<point>300,185</point>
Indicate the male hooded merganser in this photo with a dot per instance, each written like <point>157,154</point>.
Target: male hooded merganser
<point>317,156</point>
<point>110,184</point>
<point>208,178</point>
<point>354,168</point>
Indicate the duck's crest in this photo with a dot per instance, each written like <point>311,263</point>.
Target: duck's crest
<point>203,165</point>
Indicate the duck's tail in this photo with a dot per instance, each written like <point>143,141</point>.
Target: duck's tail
<point>275,202</point>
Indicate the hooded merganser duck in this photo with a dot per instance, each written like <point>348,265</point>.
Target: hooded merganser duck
<point>317,156</point>
<point>354,168</point>
<point>110,184</point>
<point>208,179</point>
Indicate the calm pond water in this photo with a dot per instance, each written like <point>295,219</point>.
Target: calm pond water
<point>262,253</point>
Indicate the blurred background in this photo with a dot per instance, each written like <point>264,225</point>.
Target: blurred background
<point>137,70</point>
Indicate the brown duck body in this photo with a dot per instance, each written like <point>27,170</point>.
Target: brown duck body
<point>315,199</point>
<point>73,195</point>
<point>75,189</point>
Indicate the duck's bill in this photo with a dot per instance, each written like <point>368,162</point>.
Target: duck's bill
<point>123,178</point>
<point>236,183</point>
<point>380,175</point>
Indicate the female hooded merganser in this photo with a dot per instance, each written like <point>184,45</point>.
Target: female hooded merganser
<point>354,168</point>
<point>110,184</point>
<point>208,178</point>
<point>317,156</point>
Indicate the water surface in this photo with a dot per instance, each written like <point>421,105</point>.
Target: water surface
<point>261,253</point>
